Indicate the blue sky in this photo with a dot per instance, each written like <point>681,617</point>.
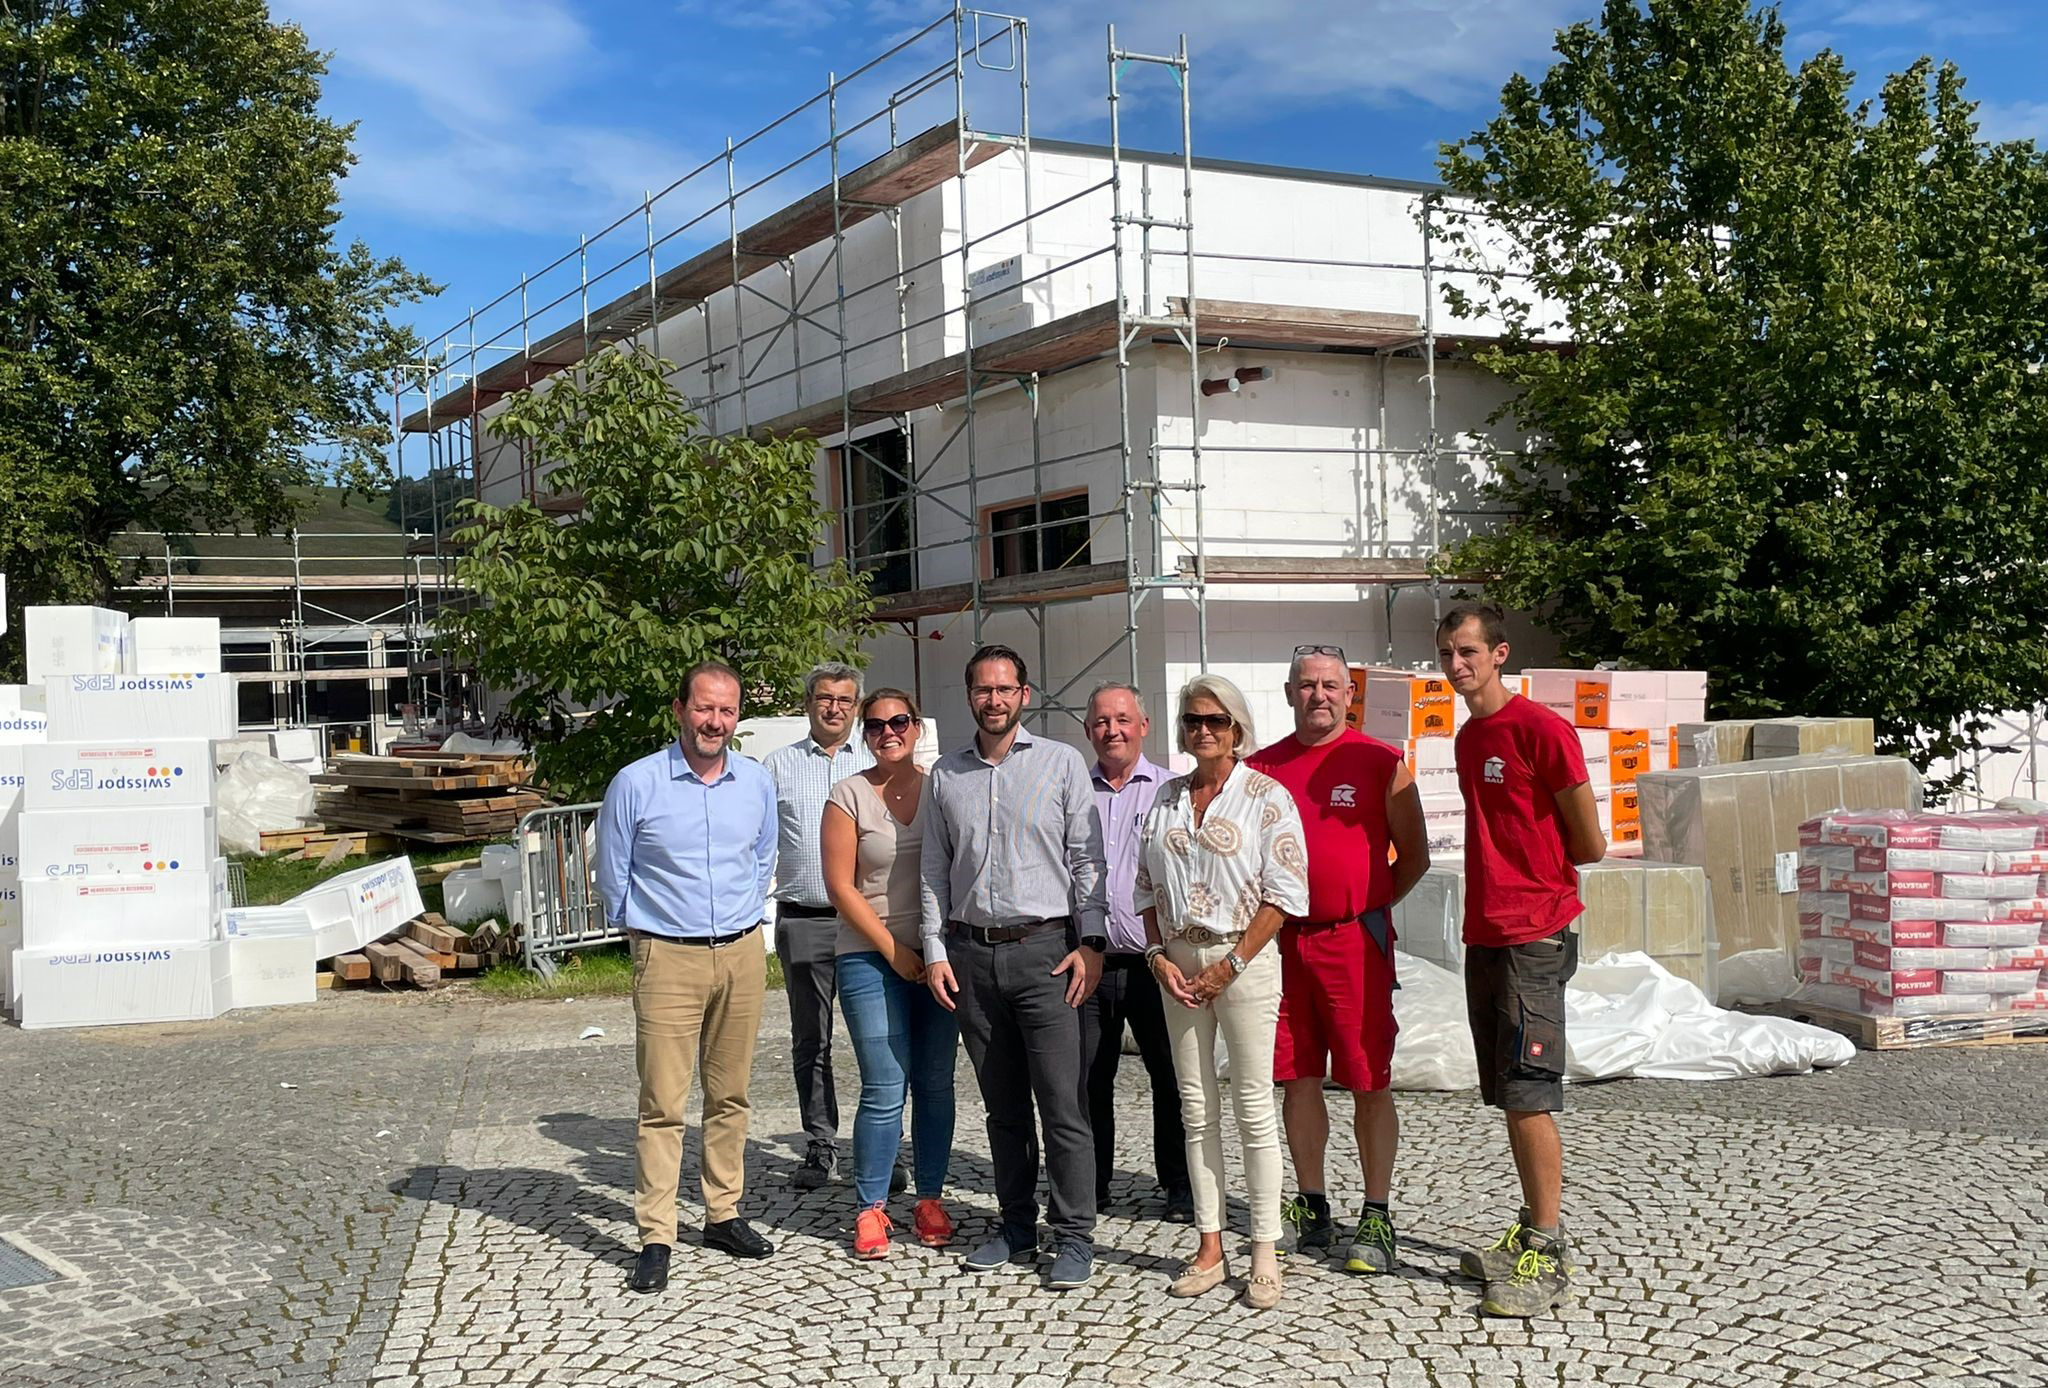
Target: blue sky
<point>493,132</point>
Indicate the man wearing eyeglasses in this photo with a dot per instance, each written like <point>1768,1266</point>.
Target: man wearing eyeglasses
<point>806,927</point>
<point>1357,801</point>
<point>1014,929</point>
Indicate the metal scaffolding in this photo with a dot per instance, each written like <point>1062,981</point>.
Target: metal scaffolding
<point>965,62</point>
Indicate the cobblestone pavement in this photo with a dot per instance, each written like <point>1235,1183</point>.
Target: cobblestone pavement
<point>430,1190</point>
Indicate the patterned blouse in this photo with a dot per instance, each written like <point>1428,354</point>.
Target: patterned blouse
<point>1247,852</point>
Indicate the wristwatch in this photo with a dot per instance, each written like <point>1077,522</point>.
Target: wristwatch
<point>1236,962</point>
<point>1098,943</point>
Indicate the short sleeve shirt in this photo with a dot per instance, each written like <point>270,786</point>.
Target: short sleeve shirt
<point>887,856</point>
<point>1520,883</point>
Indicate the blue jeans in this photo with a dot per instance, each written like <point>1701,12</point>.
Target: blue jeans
<point>905,1043</point>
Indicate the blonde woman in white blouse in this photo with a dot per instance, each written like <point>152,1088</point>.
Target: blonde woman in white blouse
<point>1222,865</point>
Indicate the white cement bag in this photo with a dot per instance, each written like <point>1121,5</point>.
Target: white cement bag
<point>260,792</point>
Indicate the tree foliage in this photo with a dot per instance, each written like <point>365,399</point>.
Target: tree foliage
<point>1796,440</point>
<point>180,340</point>
<point>685,548</point>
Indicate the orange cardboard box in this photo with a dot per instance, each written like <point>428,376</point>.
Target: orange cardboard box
<point>1628,755</point>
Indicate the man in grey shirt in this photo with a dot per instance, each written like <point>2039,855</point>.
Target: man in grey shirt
<point>1015,926</point>
<point>806,926</point>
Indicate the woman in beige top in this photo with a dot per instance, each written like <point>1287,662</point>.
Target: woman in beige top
<point>873,837</point>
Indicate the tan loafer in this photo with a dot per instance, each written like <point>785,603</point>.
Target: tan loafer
<point>1262,1292</point>
<point>1193,1281</point>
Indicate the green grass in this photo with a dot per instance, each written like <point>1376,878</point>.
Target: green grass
<point>606,971</point>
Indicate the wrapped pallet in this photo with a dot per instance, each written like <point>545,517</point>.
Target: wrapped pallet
<point>1658,909</point>
<point>1712,744</point>
<point>1429,922</point>
<point>1811,737</point>
<point>1740,823</point>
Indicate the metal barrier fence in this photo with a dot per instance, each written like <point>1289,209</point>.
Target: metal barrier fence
<point>558,861</point>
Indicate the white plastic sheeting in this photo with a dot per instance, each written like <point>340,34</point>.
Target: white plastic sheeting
<point>1626,1017</point>
<point>260,792</point>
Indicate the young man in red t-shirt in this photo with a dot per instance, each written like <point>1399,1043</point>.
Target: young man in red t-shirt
<point>1530,820</point>
<point>1356,798</point>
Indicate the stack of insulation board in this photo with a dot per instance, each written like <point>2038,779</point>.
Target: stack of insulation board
<point>1417,711</point>
<point>22,724</point>
<point>122,885</point>
<point>1915,915</point>
<point>1735,739</point>
<point>1626,721</point>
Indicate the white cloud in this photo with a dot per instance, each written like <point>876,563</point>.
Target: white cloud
<point>459,109</point>
<point>2013,120</point>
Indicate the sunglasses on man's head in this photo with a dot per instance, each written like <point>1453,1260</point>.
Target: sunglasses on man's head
<point>1214,722</point>
<point>899,725</point>
<point>1337,651</point>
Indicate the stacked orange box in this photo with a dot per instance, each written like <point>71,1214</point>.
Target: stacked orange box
<point>1405,704</point>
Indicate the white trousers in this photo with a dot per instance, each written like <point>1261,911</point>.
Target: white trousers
<point>1247,1014</point>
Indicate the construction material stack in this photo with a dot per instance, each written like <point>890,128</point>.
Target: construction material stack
<point>122,887</point>
<point>1626,721</point>
<point>22,724</point>
<point>1910,915</point>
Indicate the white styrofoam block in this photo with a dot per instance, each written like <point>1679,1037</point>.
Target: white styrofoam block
<point>354,908</point>
<point>74,641</point>
<point>10,944</point>
<point>95,775</point>
<point>16,698</point>
<point>167,908</point>
<point>468,895</point>
<point>295,744</point>
<point>106,986</point>
<point>190,704</point>
<point>270,970</point>
<point>10,898</point>
<point>167,645</point>
<point>252,922</point>
<point>124,841</point>
<point>19,725</point>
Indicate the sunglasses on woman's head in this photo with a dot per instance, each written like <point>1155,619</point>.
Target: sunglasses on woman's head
<point>1214,722</point>
<point>899,725</point>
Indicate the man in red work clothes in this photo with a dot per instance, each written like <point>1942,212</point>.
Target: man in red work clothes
<point>1356,798</point>
<point>1530,820</point>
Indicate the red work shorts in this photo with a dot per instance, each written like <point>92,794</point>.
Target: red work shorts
<point>1336,1004</point>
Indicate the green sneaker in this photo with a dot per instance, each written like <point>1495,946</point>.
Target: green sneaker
<point>1496,1263</point>
<point>1539,1284</point>
<point>1372,1244</point>
<point>1310,1216</point>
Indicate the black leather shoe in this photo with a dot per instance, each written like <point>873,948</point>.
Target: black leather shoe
<point>1180,1207</point>
<point>737,1237</point>
<point>899,1179</point>
<point>650,1274</point>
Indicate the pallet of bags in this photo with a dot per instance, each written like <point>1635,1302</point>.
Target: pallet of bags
<point>1932,922</point>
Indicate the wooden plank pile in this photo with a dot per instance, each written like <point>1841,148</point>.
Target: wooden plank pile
<point>437,798</point>
<point>318,842</point>
<point>427,953</point>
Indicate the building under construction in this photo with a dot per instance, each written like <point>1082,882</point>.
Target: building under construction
<point>1137,414</point>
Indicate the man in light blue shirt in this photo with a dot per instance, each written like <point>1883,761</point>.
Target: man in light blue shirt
<point>685,851</point>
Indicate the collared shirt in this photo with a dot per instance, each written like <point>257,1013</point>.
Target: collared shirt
<point>804,775</point>
<point>1122,811</point>
<point>1010,842</point>
<point>681,857</point>
<point>1247,852</point>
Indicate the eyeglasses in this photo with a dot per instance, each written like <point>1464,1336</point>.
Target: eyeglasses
<point>1337,651</point>
<point>982,693</point>
<point>899,725</point>
<point>1215,722</point>
<point>834,700</point>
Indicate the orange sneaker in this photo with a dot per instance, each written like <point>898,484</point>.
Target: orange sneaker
<point>934,1226</point>
<point>871,1234</point>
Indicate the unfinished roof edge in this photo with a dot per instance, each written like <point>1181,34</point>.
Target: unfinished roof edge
<point>679,288</point>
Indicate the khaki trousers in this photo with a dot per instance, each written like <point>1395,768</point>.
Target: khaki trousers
<point>696,1008</point>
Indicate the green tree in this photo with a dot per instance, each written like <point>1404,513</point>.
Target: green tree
<point>1796,438</point>
<point>684,548</point>
<point>181,342</point>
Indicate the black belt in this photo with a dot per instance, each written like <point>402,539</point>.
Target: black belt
<point>1006,934</point>
<point>707,941</point>
<point>807,913</point>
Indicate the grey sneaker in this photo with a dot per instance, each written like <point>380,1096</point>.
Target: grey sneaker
<point>1006,1247</point>
<point>1538,1284</point>
<point>1310,1216</point>
<point>1496,1262</point>
<point>1072,1268</point>
<point>1372,1244</point>
<point>821,1163</point>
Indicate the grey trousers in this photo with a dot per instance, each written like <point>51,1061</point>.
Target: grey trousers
<point>811,976</point>
<point>1029,1051</point>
